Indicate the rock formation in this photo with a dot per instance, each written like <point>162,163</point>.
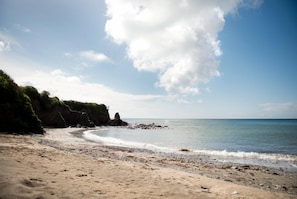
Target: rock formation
<point>58,114</point>
<point>25,110</point>
<point>117,121</point>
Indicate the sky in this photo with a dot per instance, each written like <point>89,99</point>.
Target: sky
<point>157,59</point>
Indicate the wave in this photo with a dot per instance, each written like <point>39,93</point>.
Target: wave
<point>89,135</point>
<point>249,155</point>
<point>265,159</point>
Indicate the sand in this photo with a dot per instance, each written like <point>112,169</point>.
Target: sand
<point>60,165</point>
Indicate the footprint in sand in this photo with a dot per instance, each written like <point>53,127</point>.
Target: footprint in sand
<point>32,182</point>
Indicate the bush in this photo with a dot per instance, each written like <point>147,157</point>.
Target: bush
<point>16,112</point>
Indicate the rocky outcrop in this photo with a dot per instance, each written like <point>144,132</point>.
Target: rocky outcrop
<point>58,114</point>
<point>147,126</point>
<point>117,121</point>
<point>97,113</point>
<point>25,110</point>
<point>75,118</point>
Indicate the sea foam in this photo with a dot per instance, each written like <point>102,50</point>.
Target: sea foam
<point>265,159</point>
<point>89,135</point>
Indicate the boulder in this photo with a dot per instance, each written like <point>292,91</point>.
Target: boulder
<point>148,126</point>
<point>117,121</point>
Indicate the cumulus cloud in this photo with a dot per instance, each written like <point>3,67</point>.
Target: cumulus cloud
<point>4,46</point>
<point>94,56</point>
<point>178,39</point>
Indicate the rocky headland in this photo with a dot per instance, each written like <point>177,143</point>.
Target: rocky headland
<point>24,110</point>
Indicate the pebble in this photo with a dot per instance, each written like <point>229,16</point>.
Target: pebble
<point>202,187</point>
<point>234,193</point>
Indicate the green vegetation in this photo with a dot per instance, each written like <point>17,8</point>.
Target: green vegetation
<point>97,113</point>
<point>56,113</point>
<point>16,112</point>
<point>25,110</point>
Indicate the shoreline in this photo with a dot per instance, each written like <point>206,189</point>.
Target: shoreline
<point>212,179</point>
<point>203,164</point>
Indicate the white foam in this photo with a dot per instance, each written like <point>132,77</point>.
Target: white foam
<point>249,155</point>
<point>88,135</point>
<point>280,160</point>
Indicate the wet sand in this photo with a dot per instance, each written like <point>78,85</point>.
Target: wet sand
<point>63,165</point>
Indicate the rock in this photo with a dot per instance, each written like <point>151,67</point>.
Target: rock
<point>117,116</point>
<point>184,150</point>
<point>234,193</point>
<point>245,166</point>
<point>58,114</point>
<point>147,126</point>
<point>117,121</point>
<point>202,187</point>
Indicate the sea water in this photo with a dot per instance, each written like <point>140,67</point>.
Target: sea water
<point>268,142</point>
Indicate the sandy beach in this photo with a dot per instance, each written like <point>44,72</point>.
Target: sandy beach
<point>61,164</point>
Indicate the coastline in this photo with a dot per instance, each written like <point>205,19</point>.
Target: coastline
<point>41,165</point>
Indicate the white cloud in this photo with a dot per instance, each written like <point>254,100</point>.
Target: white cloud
<point>177,39</point>
<point>7,42</point>
<point>71,87</point>
<point>90,55</point>
<point>4,46</point>
<point>68,54</point>
<point>23,28</point>
<point>200,101</point>
<point>286,109</point>
<point>207,90</point>
<point>251,3</point>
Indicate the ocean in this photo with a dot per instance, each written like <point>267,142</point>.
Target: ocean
<point>263,142</point>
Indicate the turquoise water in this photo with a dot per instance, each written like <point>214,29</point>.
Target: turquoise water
<point>229,139</point>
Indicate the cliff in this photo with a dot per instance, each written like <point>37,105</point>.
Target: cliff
<point>16,111</point>
<point>97,113</point>
<point>56,113</point>
<point>25,110</point>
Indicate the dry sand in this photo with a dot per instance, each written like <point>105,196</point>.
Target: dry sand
<point>60,165</point>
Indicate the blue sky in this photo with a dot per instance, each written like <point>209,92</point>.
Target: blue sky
<point>146,59</point>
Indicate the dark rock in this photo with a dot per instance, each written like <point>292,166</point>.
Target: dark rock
<point>117,121</point>
<point>202,187</point>
<point>147,126</point>
<point>184,150</point>
<point>59,114</point>
<point>117,116</point>
<point>25,110</point>
<point>97,113</point>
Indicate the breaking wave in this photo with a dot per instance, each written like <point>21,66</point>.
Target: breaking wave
<point>265,159</point>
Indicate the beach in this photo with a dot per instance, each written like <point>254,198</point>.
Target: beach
<point>61,164</point>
